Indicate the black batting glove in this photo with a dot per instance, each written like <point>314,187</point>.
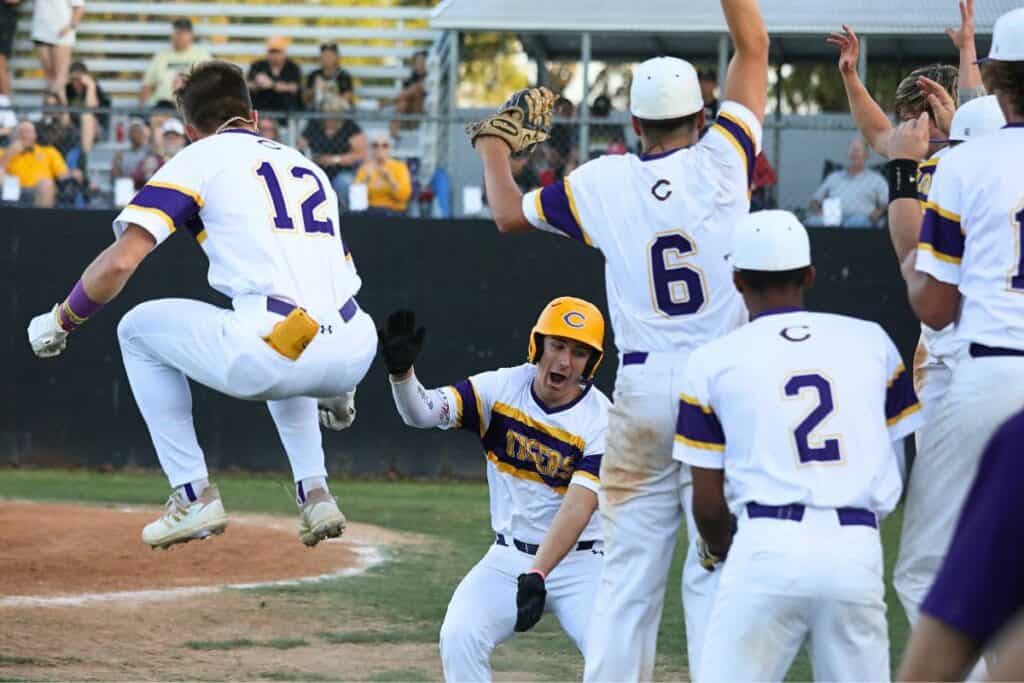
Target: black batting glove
<point>400,341</point>
<point>530,599</point>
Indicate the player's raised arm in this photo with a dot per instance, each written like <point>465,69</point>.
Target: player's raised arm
<point>746,81</point>
<point>871,120</point>
<point>518,126</point>
<point>101,282</point>
<point>969,85</point>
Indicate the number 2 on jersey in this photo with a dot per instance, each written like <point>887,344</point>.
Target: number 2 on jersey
<point>282,219</point>
<point>827,451</point>
<point>678,288</point>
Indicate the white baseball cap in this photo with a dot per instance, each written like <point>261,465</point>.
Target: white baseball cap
<point>664,88</point>
<point>1008,37</point>
<point>975,118</point>
<point>173,126</point>
<point>770,241</point>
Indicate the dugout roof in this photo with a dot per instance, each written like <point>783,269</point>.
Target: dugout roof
<point>637,29</point>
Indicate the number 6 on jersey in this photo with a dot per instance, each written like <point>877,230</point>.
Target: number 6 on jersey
<point>677,287</point>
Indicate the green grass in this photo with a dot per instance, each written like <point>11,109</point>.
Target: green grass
<point>399,676</point>
<point>8,660</point>
<point>405,598</point>
<point>292,676</point>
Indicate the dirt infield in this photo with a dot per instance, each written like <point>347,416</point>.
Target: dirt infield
<point>81,598</point>
<point>66,550</point>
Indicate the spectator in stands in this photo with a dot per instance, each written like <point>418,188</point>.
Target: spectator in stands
<point>413,94</point>
<point>59,130</point>
<point>127,161</point>
<point>560,157</point>
<point>37,167</point>
<point>388,182</point>
<point>276,81</point>
<point>708,79</point>
<point>270,129</point>
<point>8,27</point>
<point>605,138</point>
<point>336,144</point>
<point>174,139</point>
<point>54,23</point>
<point>863,194</point>
<point>83,91</point>
<point>161,112</point>
<point>524,172</point>
<point>8,120</point>
<point>764,179</point>
<point>330,80</point>
<point>168,65</point>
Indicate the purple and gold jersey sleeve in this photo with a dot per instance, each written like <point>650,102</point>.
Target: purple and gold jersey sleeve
<point>473,399</point>
<point>903,414</point>
<point>700,440</point>
<point>588,469</point>
<point>978,590</point>
<point>925,174</point>
<point>735,139</point>
<point>171,200</point>
<point>554,209</point>
<point>940,248</point>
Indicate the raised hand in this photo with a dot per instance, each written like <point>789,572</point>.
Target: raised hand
<point>401,341</point>
<point>964,36</point>
<point>849,50</point>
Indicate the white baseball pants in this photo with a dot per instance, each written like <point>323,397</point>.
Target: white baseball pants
<point>482,612</point>
<point>644,495</point>
<point>169,341</point>
<point>786,581</point>
<point>964,407</point>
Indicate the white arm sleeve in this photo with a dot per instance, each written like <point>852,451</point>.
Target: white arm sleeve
<point>420,407</point>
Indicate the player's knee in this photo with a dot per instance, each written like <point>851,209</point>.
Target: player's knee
<point>460,640</point>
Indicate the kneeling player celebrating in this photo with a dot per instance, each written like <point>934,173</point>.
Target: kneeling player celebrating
<point>798,413</point>
<point>543,427</point>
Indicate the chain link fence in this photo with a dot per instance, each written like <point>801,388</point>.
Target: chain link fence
<point>378,161</point>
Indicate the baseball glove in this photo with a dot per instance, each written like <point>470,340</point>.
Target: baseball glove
<point>522,122</point>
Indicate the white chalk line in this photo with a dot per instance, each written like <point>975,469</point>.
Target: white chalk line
<point>370,556</point>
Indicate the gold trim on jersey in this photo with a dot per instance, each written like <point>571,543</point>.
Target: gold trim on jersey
<point>201,236</point>
<point>539,206</point>
<point>945,213</point>
<point>739,122</point>
<point>528,475</point>
<point>458,406</point>
<point>521,417</point>
<point>733,141</point>
<point>156,212</point>
<point>909,410</point>
<point>194,196</point>
<point>896,375</point>
<point>575,211</point>
<point>924,246</point>
<point>701,445</point>
<point>694,402</point>
<point>585,475</point>
<point>479,408</point>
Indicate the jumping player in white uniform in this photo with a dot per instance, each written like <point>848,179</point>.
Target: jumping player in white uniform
<point>268,222</point>
<point>797,415</point>
<point>543,426</point>
<point>663,222</point>
<point>968,267</point>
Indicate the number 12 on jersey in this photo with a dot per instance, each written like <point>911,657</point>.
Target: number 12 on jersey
<point>309,205</point>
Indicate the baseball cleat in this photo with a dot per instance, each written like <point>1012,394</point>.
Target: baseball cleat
<point>320,518</point>
<point>183,521</point>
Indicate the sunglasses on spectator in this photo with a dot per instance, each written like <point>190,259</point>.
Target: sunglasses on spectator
<point>381,144</point>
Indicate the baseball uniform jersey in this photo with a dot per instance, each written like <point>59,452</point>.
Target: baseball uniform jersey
<point>801,410</point>
<point>664,224</point>
<point>534,454</point>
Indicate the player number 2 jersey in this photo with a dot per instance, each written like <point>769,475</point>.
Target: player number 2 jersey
<point>533,452</point>
<point>799,408</point>
<point>664,223</point>
<point>265,215</point>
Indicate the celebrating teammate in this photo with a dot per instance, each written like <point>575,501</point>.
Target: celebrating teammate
<point>542,425</point>
<point>268,222</point>
<point>968,266</point>
<point>797,414</point>
<point>664,223</point>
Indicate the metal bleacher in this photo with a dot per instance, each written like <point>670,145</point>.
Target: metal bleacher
<point>117,39</point>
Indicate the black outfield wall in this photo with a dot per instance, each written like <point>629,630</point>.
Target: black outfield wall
<point>477,292</point>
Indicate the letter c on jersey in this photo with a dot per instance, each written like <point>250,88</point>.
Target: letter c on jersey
<point>802,333</point>
<point>664,194</point>
<point>575,319</point>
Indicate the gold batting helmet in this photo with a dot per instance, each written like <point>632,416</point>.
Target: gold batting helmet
<point>574,319</point>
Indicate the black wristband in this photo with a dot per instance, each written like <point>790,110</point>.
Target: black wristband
<point>902,177</point>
